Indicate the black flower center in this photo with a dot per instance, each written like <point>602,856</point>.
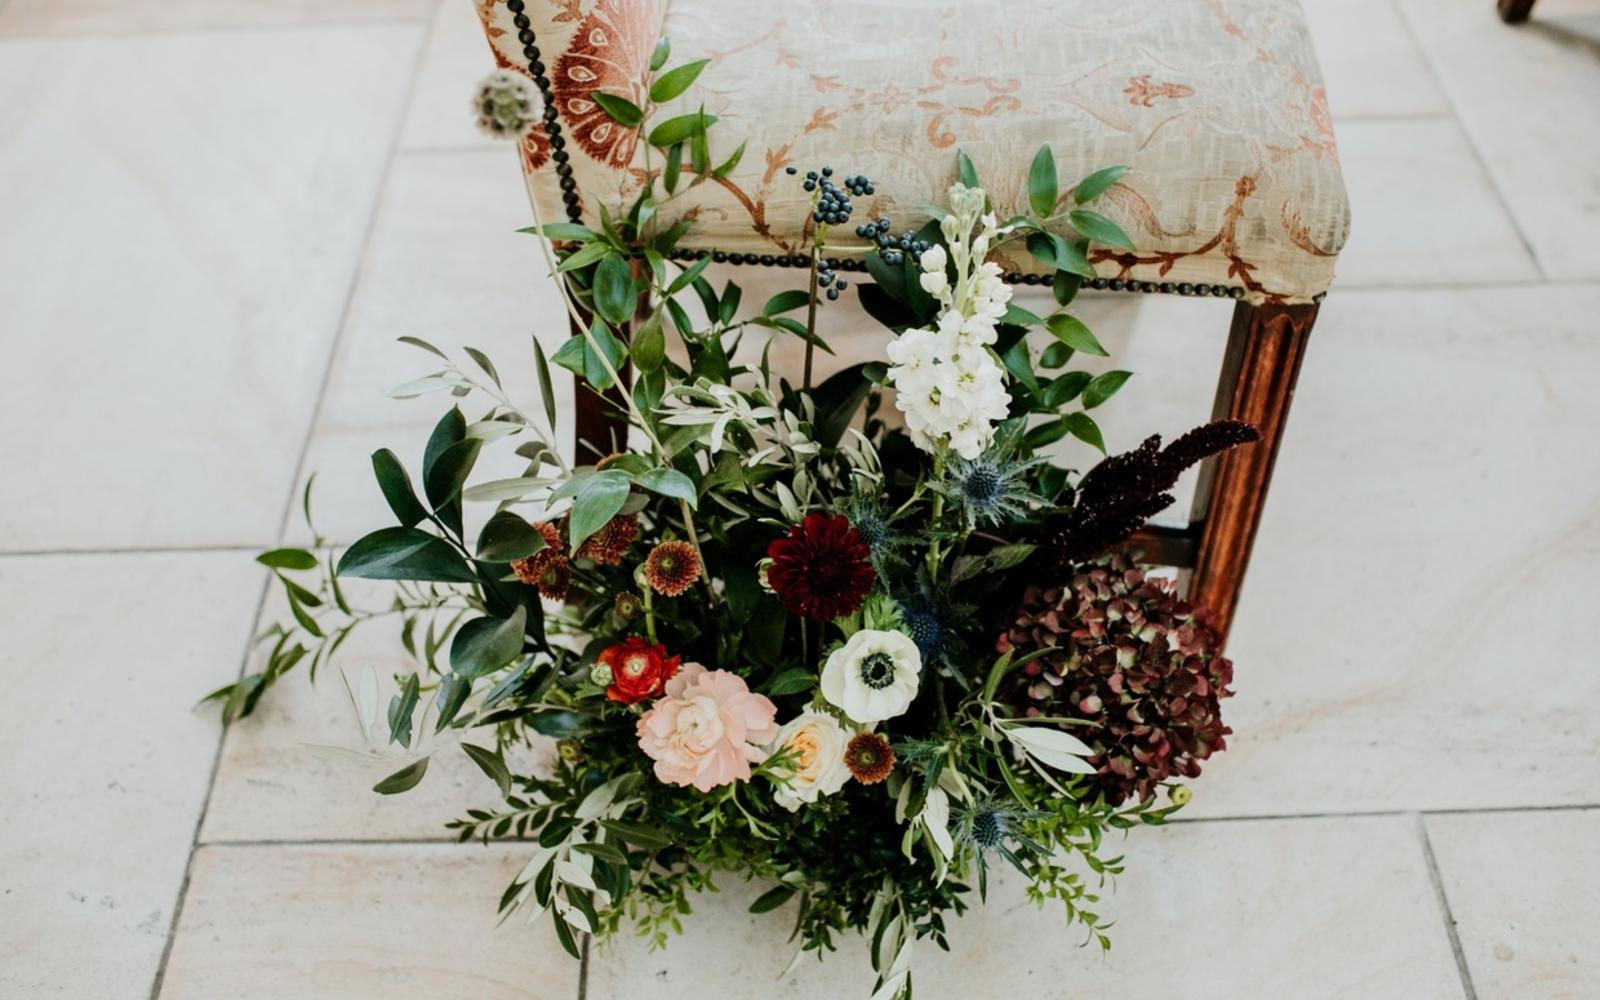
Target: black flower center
<point>877,671</point>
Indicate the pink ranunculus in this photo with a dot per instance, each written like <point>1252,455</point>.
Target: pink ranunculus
<point>707,728</point>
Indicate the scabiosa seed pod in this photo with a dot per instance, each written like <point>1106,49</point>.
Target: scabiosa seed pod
<point>1139,664</point>
<point>869,758</point>
<point>627,606</point>
<point>671,568</point>
<point>505,105</point>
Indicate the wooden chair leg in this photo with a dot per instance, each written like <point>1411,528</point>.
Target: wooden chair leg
<point>1265,347</point>
<point>600,424</point>
<point>1515,11</point>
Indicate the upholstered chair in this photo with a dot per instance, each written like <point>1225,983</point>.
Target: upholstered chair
<point>1216,105</point>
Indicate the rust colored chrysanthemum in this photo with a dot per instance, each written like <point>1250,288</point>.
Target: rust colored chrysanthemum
<point>869,757</point>
<point>672,568</point>
<point>821,569</point>
<point>548,569</point>
<point>608,545</point>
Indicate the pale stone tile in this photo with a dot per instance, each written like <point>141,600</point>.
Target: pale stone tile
<point>103,762</point>
<point>1308,909</point>
<point>446,264</point>
<point>1425,211</point>
<point>1535,117</point>
<point>180,234</point>
<point>118,17</point>
<point>455,58</point>
<point>273,783</point>
<point>405,922</point>
<point>1370,63</point>
<point>1404,638</point>
<point>1521,887</point>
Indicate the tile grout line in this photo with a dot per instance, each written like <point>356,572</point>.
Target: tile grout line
<point>205,803</point>
<point>380,189</point>
<point>205,30</point>
<point>1466,133</point>
<point>1467,989</point>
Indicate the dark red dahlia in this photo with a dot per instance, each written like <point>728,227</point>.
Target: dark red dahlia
<point>822,569</point>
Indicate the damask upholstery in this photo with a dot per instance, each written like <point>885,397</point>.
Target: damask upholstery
<point>1217,106</point>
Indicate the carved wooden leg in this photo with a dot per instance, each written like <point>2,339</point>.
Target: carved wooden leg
<point>1265,346</point>
<point>1515,11</point>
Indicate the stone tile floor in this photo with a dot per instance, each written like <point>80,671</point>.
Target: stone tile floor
<point>216,218</point>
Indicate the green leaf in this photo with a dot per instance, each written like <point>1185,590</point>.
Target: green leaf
<point>675,81</point>
<point>837,400</point>
<point>555,723</point>
<point>649,347</point>
<point>1064,286</point>
<point>1042,191</point>
<point>772,899</point>
<point>404,779</point>
<point>638,834</point>
<point>451,428</point>
<point>663,50</point>
<point>404,554</point>
<point>546,390</point>
<point>486,644</point>
<point>596,503</point>
<point>449,473</point>
<point>1099,228</point>
<point>1070,331</point>
<point>670,483</point>
<point>1103,387</point>
<point>453,692</point>
<point>584,256</point>
<point>965,171</point>
<point>674,167</point>
<point>680,129</point>
<point>730,163</point>
<point>613,291</point>
<point>619,109</point>
<point>1065,388</point>
<point>287,559</point>
<point>792,682</point>
<point>786,301</point>
<point>401,708</point>
<point>492,763</point>
<point>397,489</point>
<point>1082,427</point>
<point>1097,183</point>
<point>507,538</point>
<point>1055,355</point>
<point>569,232</point>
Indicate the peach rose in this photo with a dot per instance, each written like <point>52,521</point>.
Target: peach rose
<point>707,729</point>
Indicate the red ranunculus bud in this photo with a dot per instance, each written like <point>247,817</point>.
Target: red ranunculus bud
<point>639,670</point>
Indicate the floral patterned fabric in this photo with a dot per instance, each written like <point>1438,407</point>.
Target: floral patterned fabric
<point>1217,106</point>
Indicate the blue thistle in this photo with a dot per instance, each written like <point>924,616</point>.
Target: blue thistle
<point>991,488</point>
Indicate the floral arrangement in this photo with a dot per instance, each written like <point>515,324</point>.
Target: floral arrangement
<point>773,618</point>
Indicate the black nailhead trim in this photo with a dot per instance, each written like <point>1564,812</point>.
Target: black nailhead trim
<point>525,36</point>
<point>553,129</point>
<point>719,257</point>
<point>543,85</point>
<point>536,68</point>
<point>571,198</point>
<point>1185,288</point>
<point>531,50</point>
<point>564,169</point>
<point>515,6</point>
<point>561,156</point>
<point>1237,293</point>
<point>521,20</point>
<point>1115,284</point>
<point>568,184</point>
<point>768,260</point>
<point>783,261</point>
<point>550,112</point>
<point>1168,287</point>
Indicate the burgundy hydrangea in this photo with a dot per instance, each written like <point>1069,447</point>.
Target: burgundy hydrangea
<point>822,568</point>
<point>1142,666</point>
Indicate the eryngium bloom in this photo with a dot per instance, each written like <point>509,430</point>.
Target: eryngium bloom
<point>821,569</point>
<point>1139,664</point>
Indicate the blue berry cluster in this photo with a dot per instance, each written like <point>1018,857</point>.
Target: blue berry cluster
<point>893,248</point>
<point>826,278</point>
<point>833,207</point>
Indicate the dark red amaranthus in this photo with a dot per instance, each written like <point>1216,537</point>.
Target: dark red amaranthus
<point>1140,665</point>
<point>1124,491</point>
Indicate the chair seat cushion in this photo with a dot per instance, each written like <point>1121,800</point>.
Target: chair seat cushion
<point>1216,105</point>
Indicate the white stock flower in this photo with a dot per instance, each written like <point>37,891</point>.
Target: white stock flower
<point>817,742</point>
<point>873,676</point>
<point>933,278</point>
